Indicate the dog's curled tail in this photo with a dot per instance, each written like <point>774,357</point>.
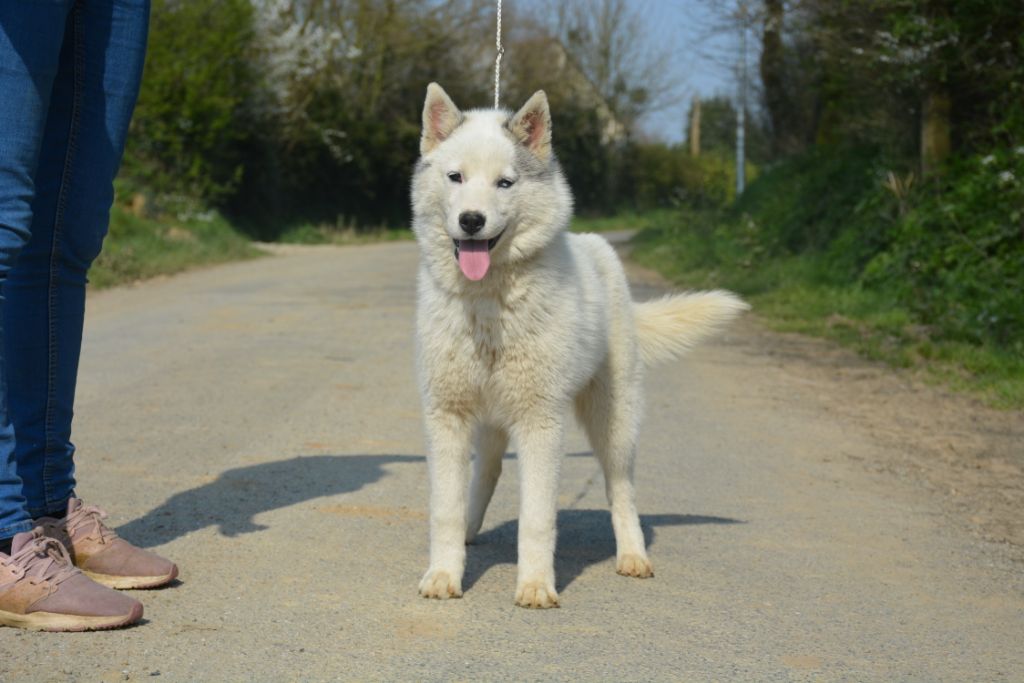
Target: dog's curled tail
<point>671,325</point>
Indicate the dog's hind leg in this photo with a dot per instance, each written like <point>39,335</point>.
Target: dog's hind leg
<point>609,409</point>
<point>491,443</point>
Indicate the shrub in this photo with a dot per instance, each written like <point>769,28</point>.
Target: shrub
<point>957,257</point>
<point>189,121</point>
<point>657,175</point>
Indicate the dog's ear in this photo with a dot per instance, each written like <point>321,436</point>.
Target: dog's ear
<point>532,125</point>
<point>440,118</point>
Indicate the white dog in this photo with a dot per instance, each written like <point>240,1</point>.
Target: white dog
<point>517,322</point>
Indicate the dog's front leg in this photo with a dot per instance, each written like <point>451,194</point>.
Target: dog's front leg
<point>540,451</point>
<point>448,462</point>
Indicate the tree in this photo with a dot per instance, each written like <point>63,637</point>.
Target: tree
<point>612,48</point>
<point>924,77</point>
<point>340,106</point>
<point>190,122</point>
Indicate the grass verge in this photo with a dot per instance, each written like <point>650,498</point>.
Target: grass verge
<point>138,248</point>
<point>802,294</point>
<point>309,233</point>
<point>622,221</point>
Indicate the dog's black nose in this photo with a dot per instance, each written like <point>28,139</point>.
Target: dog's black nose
<point>471,222</point>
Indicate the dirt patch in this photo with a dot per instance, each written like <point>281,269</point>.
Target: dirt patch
<point>968,453</point>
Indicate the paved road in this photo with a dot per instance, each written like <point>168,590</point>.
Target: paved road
<point>259,423</point>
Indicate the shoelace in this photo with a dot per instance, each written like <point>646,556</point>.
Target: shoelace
<point>44,559</point>
<point>86,515</point>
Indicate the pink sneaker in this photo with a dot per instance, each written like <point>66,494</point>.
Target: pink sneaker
<point>40,589</point>
<point>105,557</point>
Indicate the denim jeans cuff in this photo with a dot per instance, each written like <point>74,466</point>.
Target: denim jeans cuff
<point>55,510</point>
<point>17,528</point>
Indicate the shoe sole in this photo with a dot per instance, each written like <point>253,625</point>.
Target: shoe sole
<point>55,622</point>
<point>132,582</point>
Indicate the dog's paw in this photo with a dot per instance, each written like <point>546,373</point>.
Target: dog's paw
<point>634,565</point>
<point>537,595</point>
<point>439,584</point>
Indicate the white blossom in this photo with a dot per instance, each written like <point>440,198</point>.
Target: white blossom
<point>296,51</point>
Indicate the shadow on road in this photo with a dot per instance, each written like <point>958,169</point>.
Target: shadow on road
<point>585,537</point>
<point>231,501</point>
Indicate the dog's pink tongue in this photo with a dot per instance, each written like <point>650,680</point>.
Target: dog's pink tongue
<point>474,258</point>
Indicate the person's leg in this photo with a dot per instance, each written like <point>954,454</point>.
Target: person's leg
<point>39,586</point>
<point>31,34</point>
<point>93,97</point>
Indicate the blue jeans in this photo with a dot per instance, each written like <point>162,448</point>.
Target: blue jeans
<point>69,77</point>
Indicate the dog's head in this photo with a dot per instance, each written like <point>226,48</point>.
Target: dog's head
<point>487,189</point>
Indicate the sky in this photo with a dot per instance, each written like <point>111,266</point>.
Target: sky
<point>703,62</point>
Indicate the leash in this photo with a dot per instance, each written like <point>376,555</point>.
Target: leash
<point>497,59</point>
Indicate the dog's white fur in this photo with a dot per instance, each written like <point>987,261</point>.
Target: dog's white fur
<point>550,327</point>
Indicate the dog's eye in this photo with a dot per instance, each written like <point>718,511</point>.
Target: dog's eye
<point>505,183</point>
<point>455,177</point>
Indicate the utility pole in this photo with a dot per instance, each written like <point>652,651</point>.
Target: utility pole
<point>741,105</point>
<point>695,127</point>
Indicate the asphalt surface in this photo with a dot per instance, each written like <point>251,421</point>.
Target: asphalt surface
<point>259,424</point>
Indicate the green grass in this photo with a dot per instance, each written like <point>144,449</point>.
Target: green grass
<point>137,248</point>
<point>308,233</point>
<point>620,221</point>
<point>804,294</point>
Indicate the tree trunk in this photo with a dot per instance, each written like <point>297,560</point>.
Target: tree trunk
<point>936,138</point>
<point>773,78</point>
